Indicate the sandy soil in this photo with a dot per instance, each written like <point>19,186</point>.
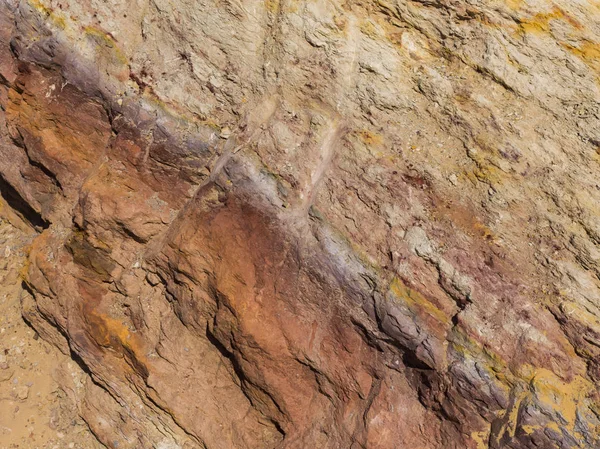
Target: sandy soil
<point>34,412</point>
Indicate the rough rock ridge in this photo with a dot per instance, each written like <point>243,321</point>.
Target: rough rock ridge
<point>312,223</point>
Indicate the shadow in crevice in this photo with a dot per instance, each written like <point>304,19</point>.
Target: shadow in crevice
<point>242,377</point>
<point>71,353</point>
<point>20,206</point>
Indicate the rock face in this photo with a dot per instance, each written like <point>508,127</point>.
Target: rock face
<point>294,224</point>
<point>37,384</point>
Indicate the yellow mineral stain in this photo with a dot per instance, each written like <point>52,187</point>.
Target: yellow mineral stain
<point>541,22</point>
<point>469,348</point>
<point>110,332</point>
<point>113,52</point>
<point>415,300</point>
<point>484,231</point>
<point>481,439</point>
<point>369,138</point>
<point>511,415</point>
<point>368,28</point>
<point>562,397</point>
<point>24,271</point>
<point>554,426</point>
<point>56,17</point>
<point>542,385</point>
<point>514,4</point>
<point>273,6</point>
<point>489,173</point>
<point>105,40</point>
<point>68,25</point>
<point>574,310</point>
<point>588,52</point>
<point>529,429</point>
<point>341,23</point>
<point>487,170</point>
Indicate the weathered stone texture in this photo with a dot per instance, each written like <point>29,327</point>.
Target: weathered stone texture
<point>312,224</point>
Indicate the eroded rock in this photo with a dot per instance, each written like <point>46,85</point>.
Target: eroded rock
<point>270,224</point>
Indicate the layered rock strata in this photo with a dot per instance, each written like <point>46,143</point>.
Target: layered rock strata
<point>312,224</point>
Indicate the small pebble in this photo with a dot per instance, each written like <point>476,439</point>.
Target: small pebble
<point>22,393</point>
<point>225,132</point>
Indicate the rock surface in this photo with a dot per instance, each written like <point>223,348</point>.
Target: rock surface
<point>37,383</point>
<point>312,224</point>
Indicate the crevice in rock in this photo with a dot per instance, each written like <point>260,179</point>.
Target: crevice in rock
<point>78,360</point>
<point>362,431</point>
<point>20,142</point>
<point>151,402</point>
<point>129,233</point>
<point>14,199</point>
<point>243,379</point>
<point>89,428</point>
<point>74,356</point>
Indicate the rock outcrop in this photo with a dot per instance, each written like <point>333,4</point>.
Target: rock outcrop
<point>38,384</point>
<point>316,224</point>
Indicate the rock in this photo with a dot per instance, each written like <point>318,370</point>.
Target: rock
<point>6,374</point>
<point>225,133</point>
<point>22,392</point>
<point>153,278</point>
<point>378,308</point>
